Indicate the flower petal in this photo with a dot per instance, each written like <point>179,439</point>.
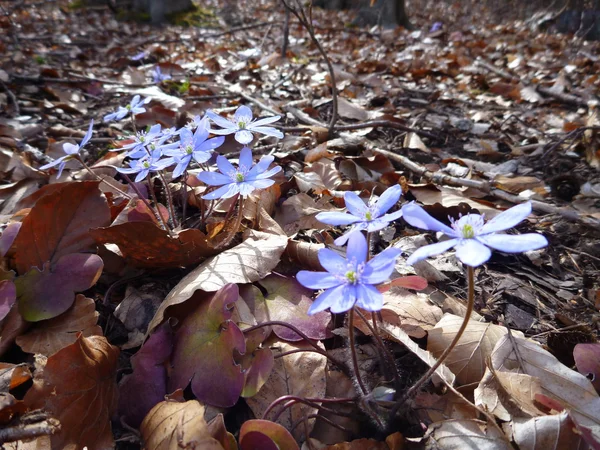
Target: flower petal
<point>88,135</point>
<point>265,121</point>
<point>245,189</point>
<point>260,166</point>
<point>355,205</point>
<point>345,299</point>
<point>267,131</point>
<point>430,250</point>
<point>341,241</point>
<point>56,162</point>
<point>244,136</point>
<point>391,216</point>
<point>507,219</point>
<point>61,167</point>
<point>332,262</point>
<point>70,149</point>
<point>222,122</point>
<point>227,191</point>
<point>416,216</point>
<point>245,158</point>
<point>514,243</point>
<point>379,269</point>
<point>337,218</point>
<point>180,168</point>
<point>317,280</point>
<point>243,113</point>
<point>201,133</point>
<point>142,175</point>
<point>202,156</point>
<point>261,184</point>
<point>213,178</point>
<point>326,299</point>
<point>211,144</point>
<point>388,199</point>
<point>369,298</point>
<point>225,166</point>
<point>357,247</point>
<point>269,173</point>
<point>472,252</point>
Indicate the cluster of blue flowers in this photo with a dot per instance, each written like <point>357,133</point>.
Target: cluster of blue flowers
<point>157,149</point>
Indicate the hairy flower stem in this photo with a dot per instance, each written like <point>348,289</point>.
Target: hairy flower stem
<point>184,196</point>
<point>414,388</point>
<point>133,123</point>
<point>99,178</point>
<point>155,200</point>
<point>292,399</point>
<point>236,225</point>
<point>157,216</point>
<point>169,198</point>
<point>308,340</point>
<point>353,352</point>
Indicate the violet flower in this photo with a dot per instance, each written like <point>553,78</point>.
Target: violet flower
<point>243,125</point>
<point>135,107</point>
<point>71,150</point>
<point>349,281</point>
<point>158,76</point>
<point>143,166</point>
<point>243,180</point>
<point>362,217</point>
<point>472,236</point>
<point>196,146</point>
<point>141,140</point>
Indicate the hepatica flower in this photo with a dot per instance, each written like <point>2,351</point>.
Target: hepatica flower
<point>141,140</point>
<point>196,146</point>
<point>369,217</point>
<point>349,281</point>
<point>143,166</point>
<point>158,76</point>
<point>243,126</point>
<point>243,180</point>
<point>135,107</point>
<point>472,236</point>
<point>71,150</point>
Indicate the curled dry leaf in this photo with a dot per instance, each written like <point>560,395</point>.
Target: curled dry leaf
<point>247,262</point>
<point>587,359</point>
<point>265,435</point>
<point>305,254</point>
<point>204,348</point>
<point>462,434</point>
<point>143,244</point>
<point>46,294</point>
<point>49,336</point>
<point>173,425</point>
<point>59,224</point>
<point>78,387</point>
<point>298,213</point>
<point>13,375</point>
<point>467,360</point>
<point>301,374</point>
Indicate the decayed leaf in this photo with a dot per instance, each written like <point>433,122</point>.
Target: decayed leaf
<point>554,432</point>
<point>140,391</point>
<point>48,293</point>
<point>461,434</point>
<point>247,262</point>
<point>566,387</point>
<point>467,360</point>
<point>288,301</point>
<point>204,350</point>
<point>400,335</point>
<point>587,359</point>
<point>8,236</point>
<point>359,444</point>
<point>143,244</point>
<point>265,435</point>
<point>301,374</point>
<point>59,224</point>
<point>257,362</point>
<point>78,386</point>
<point>51,335</point>
<point>173,425</point>
<point>13,375</point>
<point>8,297</point>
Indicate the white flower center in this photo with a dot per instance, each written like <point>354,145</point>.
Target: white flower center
<point>146,165</point>
<point>239,177</point>
<point>353,272</point>
<point>189,149</point>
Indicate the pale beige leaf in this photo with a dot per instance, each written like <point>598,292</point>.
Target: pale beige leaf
<point>411,311</point>
<point>554,432</point>
<point>467,360</point>
<point>466,434</point>
<point>400,335</point>
<point>173,425</point>
<point>570,388</point>
<point>301,374</point>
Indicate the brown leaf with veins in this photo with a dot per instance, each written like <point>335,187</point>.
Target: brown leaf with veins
<point>173,425</point>
<point>49,336</point>
<point>78,387</point>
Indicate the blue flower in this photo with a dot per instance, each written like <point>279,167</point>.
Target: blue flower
<point>349,281</point>
<point>71,150</point>
<point>243,180</point>
<point>362,217</point>
<point>243,126</point>
<point>196,146</point>
<point>158,76</point>
<point>472,237</point>
<point>141,140</point>
<point>143,166</point>
<point>135,107</point>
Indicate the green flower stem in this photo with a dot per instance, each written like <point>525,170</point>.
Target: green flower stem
<point>470,302</point>
<point>353,352</point>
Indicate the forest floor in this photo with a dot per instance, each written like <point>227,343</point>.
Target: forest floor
<point>466,115</point>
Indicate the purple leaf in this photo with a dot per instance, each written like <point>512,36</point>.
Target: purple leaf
<point>587,360</point>
<point>8,296</point>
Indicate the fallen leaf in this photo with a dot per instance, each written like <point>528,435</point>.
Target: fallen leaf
<point>204,350</point>
<point>173,425</point>
<point>8,297</point>
<point>461,434</point>
<point>78,387</point>
<point>59,224</point>
<point>359,444</point>
<point>587,360</point>
<point>265,435</point>
<point>49,336</point>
